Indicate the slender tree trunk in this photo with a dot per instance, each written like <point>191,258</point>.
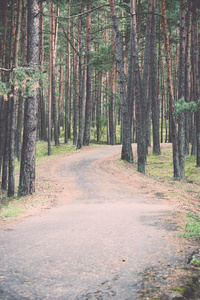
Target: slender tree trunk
<point>81,110</point>
<point>187,79</point>
<point>170,91</point>
<point>181,90</point>
<point>112,123</point>
<point>126,153</point>
<point>54,47</point>
<point>196,79</point>
<point>154,84</point>
<point>13,103</point>
<point>86,138</point>
<point>27,169</point>
<point>2,102</point>
<point>141,151</point>
<point>18,135</point>
<point>67,85</point>
<point>6,148</point>
<point>50,82</point>
<point>41,91</point>
<point>75,119</point>
<point>146,105</point>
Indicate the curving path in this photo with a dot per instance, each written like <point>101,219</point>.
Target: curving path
<point>95,247</point>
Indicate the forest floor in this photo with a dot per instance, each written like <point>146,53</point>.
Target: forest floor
<point>164,280</point>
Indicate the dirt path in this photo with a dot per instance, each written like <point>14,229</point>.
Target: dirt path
<point>97,241</point>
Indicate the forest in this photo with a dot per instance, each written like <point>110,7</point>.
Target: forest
<point>69,67</point>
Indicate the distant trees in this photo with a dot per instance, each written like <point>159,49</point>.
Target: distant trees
<point>137,71</point>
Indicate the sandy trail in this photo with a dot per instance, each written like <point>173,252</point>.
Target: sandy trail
<point>95,243</point>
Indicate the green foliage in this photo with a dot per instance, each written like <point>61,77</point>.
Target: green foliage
<point>3,89</point>
<point>26,81</point>
<point>103,60</point>
<point>182,106</point>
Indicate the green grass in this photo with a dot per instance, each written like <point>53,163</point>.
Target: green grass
<point>12,209</point>
<point>192,228</point>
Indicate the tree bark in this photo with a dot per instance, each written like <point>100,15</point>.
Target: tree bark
<point>50,82</point>
<point>54,47</point>
<point>153,83</point>
<point>126,153</point>
<point>75,119</point>
<point>181,89</point>
<point>141,151</point>
<point>86,138</point>
<point>13,103</point>
<point>187,78</point>
<point>176,167</point>
<point>27,168</point>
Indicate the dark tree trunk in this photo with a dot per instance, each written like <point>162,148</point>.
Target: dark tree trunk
<point>66,103</point>
<point>81,111</point>
<point>146,105</point>
<point>13,103</point>
<point>27,169</point>
<point>2,102</point>
<point>126,153</point>
<point>75,119</point>
<point>18,135</point>
<point>154,84</point>
<point>170,91</point>
<point>141,151</point>
<point>11,177</point>
<point>6,146</point>
<point>98,108</point>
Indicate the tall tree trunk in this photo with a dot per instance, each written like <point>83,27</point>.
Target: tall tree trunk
<point>170,91</point>
<point>75,119</point>
<point>126,153</point>
<point>18,133</point>
<point>13,103</point>
<point>81,110</point>
<point>2,102</point>
<point>112,122</point>
<point>187,79</point>
<point>153,83</point>
<point>50,82</point>
<point>41,90</point>
<point>181,90</point>
<point>27,168</point>
<point>67,85</point>
<point>6,147</point>
<point>81,85</point>
<point>86,138</point>
<point>146,105</point>
<point>141,151</point>
<point>54,48</point>
<point>196,78</point>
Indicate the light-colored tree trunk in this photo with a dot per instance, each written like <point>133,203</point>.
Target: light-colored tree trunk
<point>181,89</point>
<point>86,138</point>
